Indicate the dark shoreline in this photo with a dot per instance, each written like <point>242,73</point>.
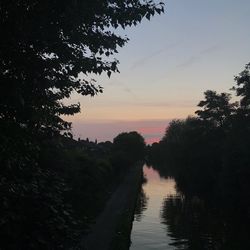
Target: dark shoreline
<point>113,226</point>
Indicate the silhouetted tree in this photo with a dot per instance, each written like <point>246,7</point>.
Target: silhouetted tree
<point>210,152</point>
<point>47,44</point>
<point>236,160</point>
<point>209,157</point>
<point>216,108</point>
<point>49,50</point>
<point>243,89</point>
<point>128,148</point>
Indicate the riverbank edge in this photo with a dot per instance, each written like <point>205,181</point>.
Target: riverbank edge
<point>122,237</point>
<point>113,226</point>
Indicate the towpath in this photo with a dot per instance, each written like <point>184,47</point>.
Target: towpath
<point>122,200</point>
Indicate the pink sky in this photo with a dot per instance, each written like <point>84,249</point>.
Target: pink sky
<point>151,130</point>
<point>165,68</point>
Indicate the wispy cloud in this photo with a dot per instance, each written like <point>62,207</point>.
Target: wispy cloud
<point>211,49</point>
<point>150,56</point>
<point>189,62</point>
<point>197,58</point>
<point>121,85</point>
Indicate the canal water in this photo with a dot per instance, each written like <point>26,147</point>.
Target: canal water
<point>148,231</point>
<point>167,220</point>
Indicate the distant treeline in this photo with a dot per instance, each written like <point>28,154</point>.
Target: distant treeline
<point>209,154</point>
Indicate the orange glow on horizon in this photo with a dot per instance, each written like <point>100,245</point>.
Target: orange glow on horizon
<point>152,140</point>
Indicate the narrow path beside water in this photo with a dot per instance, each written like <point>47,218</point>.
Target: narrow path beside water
<point>103,231</point>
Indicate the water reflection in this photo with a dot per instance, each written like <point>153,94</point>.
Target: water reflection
<point>167,220</point>
<point>194,224</point>
<point>148,232</point>
<point>141,205</point>
<point>189,224</point>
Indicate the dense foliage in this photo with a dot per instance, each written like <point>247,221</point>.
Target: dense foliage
<point>128,148</point>
<point>209,154</point>
<point>49,50</point>
<point>47,44</point>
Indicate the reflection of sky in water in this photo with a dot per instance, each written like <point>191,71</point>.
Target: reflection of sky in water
<point>171,221</point>
<point>150,233</point>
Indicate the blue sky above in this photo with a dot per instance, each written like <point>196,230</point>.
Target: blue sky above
<point>167,65</point>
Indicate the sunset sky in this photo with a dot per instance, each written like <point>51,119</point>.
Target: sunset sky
<point>165,68</point>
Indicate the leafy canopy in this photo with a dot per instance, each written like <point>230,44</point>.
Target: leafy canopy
<point>242,88</point>
<point>47,44</point>
<point>216,108</point>
<point>130,143</point>
<point>44,47</point>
